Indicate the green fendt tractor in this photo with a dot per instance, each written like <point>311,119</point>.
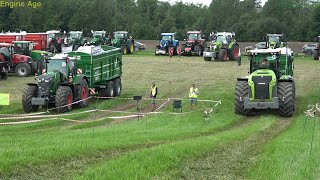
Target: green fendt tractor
<point>223,45</point>
<point>316,54</point>
<point>270,84</point>
<point>73,41</point>
<point>274,41</point>
<point>121,39</point>
<point>68,79</point>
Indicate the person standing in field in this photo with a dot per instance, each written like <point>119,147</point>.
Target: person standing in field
<point>153,95</point>
<point>193,96</point>
<point>170,52</point>
<point>179,51</point>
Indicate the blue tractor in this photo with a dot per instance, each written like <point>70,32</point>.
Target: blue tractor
<point>167,40</point>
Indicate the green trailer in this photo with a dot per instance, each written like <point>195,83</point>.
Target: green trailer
<point>69,79</point>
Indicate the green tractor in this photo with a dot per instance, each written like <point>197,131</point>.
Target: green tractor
<point>316,54</point>
<point>73,41</point>
<point>223,45</point>
<point>98,38</point>
<point>274,41</point>
<point>68,79</point>
<point>121,39</point>
<point>270,84</point>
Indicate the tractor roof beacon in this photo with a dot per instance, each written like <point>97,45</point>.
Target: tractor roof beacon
<point>270,84</point>
<point>222,45</point>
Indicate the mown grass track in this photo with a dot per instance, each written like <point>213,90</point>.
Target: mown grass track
<point>160,146</point>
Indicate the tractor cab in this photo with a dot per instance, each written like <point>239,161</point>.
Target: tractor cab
<point>6,50</point>
<point>54,41</point>
<point>119,37</point>
<point>168,39</point>
<point>61,64</point>
<point>274,41</point>
<point>98,37</point>
<point>23,47</point>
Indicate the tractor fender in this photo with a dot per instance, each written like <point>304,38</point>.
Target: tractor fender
<point>242,78</point>
<point>78,78</point>
<point>32,84</point>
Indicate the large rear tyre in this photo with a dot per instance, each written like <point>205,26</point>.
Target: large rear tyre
<point>64,99</point>
<point>23,70</point>
<point>316,54</point>
<point>131,48</point>
<point>83,92</point>
<point>28,93</point>
<point>242,91</point>
<point>235,52</point>
<point>117,87</point>
<point>124,50</point>
<point>222,55</point>
<point>286,95</point>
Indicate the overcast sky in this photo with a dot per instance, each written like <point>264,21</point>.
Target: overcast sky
<point>204,2</point>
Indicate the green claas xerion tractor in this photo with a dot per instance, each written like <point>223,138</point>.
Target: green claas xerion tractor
<point>223,45</point>
<point>68,79</point>
<point>270,84</point>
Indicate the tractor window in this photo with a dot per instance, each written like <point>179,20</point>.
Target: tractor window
<point>166,38</point>
<point>119,35</point>
<point>5,51</point>
<point>20,48</point>
<point>74,35</point>
<point>194,36</point>
<point>51,35</point>
<point>55,65</point>
<point>220,39</point>
<point>275,39</point>
<point>97,35</point>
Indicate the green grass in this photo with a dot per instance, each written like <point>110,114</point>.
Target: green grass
<point>165,146</point>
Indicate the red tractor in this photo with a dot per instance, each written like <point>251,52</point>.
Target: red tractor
<point>4,67</point>
<point>195,43</point>
<point>22,65</point>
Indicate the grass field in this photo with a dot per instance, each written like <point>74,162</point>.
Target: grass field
<point>164,145</point>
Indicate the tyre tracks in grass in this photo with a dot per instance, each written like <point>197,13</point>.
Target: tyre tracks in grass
<point>230,161</point>
<point>68,167</point>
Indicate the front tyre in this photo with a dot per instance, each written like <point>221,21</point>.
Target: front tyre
<point>28,93</point>
<point>242,91</point>
<point>64,99</point>
<point>23,70</point>
<point>286,95</point>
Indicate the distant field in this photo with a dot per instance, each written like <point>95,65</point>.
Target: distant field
<point>164,145</point>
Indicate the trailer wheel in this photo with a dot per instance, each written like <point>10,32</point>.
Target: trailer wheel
<point>316,54</point>
<point>117,86</point>
<point>222,55</point>
<point>64,99</point>
<point>110,92</point>
<point>28,93</point>
<point>241,91</point>
<point>83,93</point>
<point>23,70</point>
<point>286,97</point>
<point>4,75</point>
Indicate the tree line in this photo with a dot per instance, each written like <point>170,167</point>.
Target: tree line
<point>299,20</point>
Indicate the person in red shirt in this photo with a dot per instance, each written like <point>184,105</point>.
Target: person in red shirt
<point>170,52</point>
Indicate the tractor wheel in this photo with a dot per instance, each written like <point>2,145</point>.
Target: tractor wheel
<point>83,93</point>
<point>207,58</point>
<point>64,99</point>
<point>316,54</point>
<point>155,51</point>
<point>3,75</point>
<point>23,70</point>
<point>235,52</point>
<point>131,48</point>
<point>124,50</point>
<point>222,55</point>
<point>286,91</point>
<point>28,93</point>
<point>242,91</point>
<point>198,50</point>
<point>117,86</point>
